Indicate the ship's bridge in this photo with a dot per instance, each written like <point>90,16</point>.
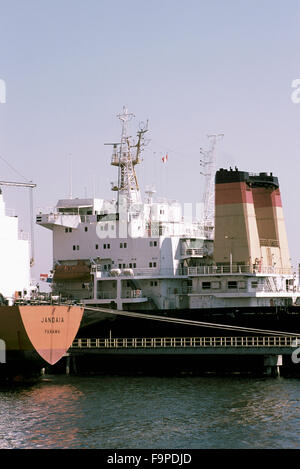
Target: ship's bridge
<point>69,213</point>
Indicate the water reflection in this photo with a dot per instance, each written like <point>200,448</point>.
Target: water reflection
<point>41,416</point>
<point>144,412</point>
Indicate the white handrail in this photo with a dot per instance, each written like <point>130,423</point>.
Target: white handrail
<point>185,342</point>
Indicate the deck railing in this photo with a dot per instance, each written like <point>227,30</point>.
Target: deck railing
<point>193,252</point>
<point>235,269</point>
<point>185,342</point>
<point>192,271</point>
<point>132,294</point>
<point>106,295</point>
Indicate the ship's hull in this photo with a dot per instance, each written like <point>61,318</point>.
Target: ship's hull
<point>284,319</point>
<point>32,336</point>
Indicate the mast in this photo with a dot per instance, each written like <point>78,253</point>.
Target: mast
<point>125,159</point>
<point>208,162</point>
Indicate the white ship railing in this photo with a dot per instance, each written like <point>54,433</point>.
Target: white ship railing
<point>111,295</point>
<point>147,271</point>
<point>191,271</point>
<point>235,269</point>
<point>192,252</point>
<point>185,342</point>
<point>46,210</point>
<point>106,295</point>
<point>97,268</point>
<point>100,271</point>
<point>55,215</point>
<point>251,290</point>
<point>132,294</point>
<point>58,218</point>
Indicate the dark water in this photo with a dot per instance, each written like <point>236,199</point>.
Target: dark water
<point>149,412</point>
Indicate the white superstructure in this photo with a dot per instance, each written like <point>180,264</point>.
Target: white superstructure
<point>14,257</point>
<point>150,255</point>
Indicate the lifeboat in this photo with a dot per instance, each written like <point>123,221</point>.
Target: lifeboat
<point>78,272</point>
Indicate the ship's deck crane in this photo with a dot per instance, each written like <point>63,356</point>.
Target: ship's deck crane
<point>31,186</point>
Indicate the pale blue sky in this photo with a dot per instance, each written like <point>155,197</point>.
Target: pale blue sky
<point>191,67</point>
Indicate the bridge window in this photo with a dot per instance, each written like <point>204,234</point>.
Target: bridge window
<point>206,285</point>
<point>232,285</point>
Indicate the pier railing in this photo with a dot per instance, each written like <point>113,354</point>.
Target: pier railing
<point>185,342</point>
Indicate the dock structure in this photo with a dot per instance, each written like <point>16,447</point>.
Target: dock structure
<point>268,349</point>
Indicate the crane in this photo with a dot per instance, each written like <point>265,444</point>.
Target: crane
<point>31,186</point>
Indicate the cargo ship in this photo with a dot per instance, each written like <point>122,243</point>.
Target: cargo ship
<point>34,332</point>
<point>228,265</point>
